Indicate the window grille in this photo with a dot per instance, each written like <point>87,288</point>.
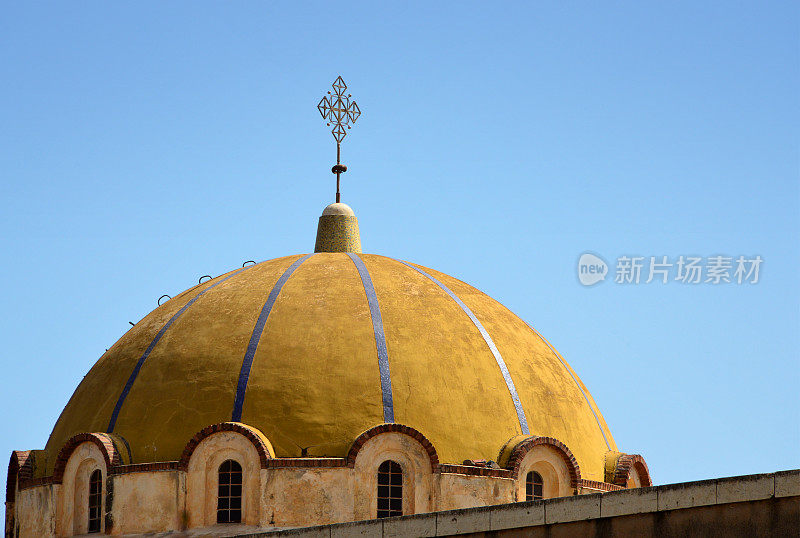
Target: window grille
<point>390,489</point>
<point>229,495</point>
<point>534,487</point>
<point>95,500</point>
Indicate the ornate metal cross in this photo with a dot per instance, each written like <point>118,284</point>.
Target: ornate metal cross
<point>341,113</point>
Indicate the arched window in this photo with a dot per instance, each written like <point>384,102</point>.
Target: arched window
<point>95,500</point>
<point>229,495</point>
<point>390,489</point>
<point>534,486</point>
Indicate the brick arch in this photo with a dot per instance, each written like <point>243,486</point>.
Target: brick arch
<point>393,428</point>
<point>265,452</point>
<point>625,463</point>
<point>20,467</point>
<point>525,446</point>
<point>103,441</point>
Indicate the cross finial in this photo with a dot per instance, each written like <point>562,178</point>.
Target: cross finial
<point>341,113</point>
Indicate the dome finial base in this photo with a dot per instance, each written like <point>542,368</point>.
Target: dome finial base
<point>337,230</point>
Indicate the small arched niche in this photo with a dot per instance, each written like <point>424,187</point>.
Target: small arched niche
<point>81,497</point>
<point>548,458</point>
<point>627,470</point>
<point>549,464</point>
<point>638,475</point>
<point>408,455</point>
<point>223,466</point>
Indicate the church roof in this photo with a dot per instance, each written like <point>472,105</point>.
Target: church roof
<point>314,349</point>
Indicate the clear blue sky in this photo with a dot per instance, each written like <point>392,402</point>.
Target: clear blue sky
<point>145,144</point>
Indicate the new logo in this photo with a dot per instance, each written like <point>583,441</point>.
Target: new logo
<point>591,269</point>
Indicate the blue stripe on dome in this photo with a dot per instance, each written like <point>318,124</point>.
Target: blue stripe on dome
<point>523,422</point>
<point>247,362</point>
<point>140,362</point>
<point>380,338</point>
<point>575,379</point>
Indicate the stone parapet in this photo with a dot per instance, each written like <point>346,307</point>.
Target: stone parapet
<point>755,505</point>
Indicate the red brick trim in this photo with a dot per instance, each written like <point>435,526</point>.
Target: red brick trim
<point>521,449</point>
<point>145,467</point>
<point>103,442</point>
<point>20,468</point>
<point>247,431</point>
<point>625,463</point>
<point>475,471</point>
<point>393,428</point>
<point>280,463</point>
<point>602,486</point>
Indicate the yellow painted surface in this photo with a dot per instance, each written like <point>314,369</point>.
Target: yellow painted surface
<point>554,406</point>
<point>444,379</point>
<point>610,464</point>
<point>315,382</point>
<point>89,409</point>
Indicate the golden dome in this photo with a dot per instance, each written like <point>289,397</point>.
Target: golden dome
<point>315,349</point>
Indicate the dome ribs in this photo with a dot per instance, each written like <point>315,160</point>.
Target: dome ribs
<point>255,338</point>
<point>118,407</point>
<point>339,351</point>
<point>512,389</point>
<point>577,383</point>
<point>380,338</point>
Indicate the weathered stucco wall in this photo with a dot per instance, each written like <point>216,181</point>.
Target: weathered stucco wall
<point>35,508</point>
<point>463,491</point>
<point>159,501</point>
<point>147,501</point>
<point>159,497</point>
<point>301,497</point>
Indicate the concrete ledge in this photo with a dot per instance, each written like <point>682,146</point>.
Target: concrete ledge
<point>576,508</point>
<point>512,516</point>
<point>629,501</point>
<point>322,531</point>
<point>745,488</point>
<point>421,525</point>
<point>463,521</point>
<point>787,483</point>
<point>782,489</point>
<point>687,495</point>
<point>367,529</point>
